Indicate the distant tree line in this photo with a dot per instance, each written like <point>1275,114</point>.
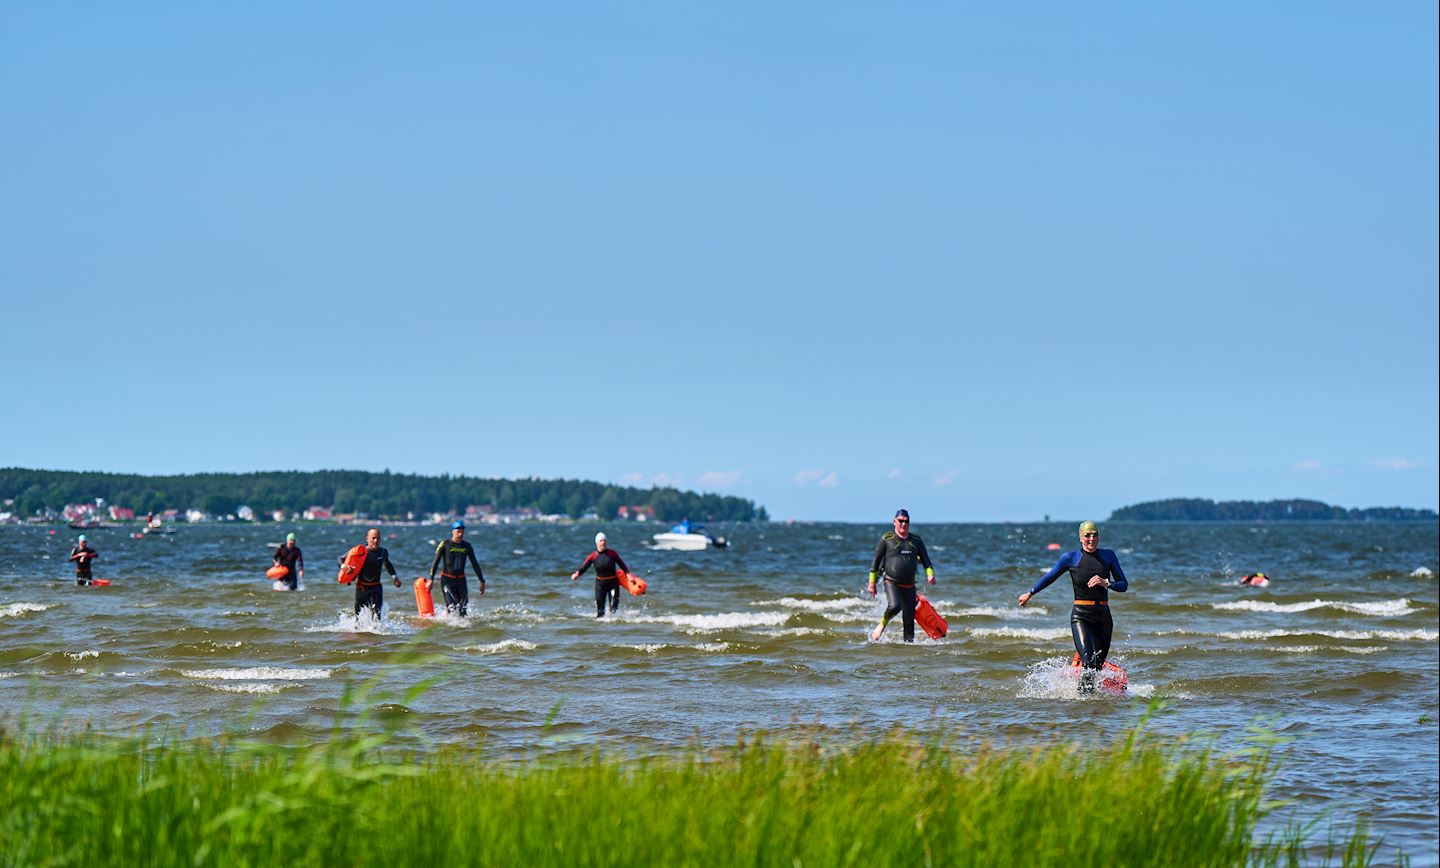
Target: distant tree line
<point>1196,509</point>
<point>353,491</point>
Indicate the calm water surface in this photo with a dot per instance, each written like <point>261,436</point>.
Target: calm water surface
<point>1339,654</point>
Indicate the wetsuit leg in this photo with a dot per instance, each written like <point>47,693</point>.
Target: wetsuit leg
<point>369,598</point>
<point>1091,631</point>
<point>601,592</point>
<point>292,580</point>
<point>893,603</point>
<point>457,596</point>
<point>614,595</point>
<point>908,602</point>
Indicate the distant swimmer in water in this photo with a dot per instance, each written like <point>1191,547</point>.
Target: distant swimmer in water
<point>1256,580</point>
<point>82,555</point>
<point>288,556</point>
<point>607,584</point>
<point>895,560</point>
<point>1094,572</point>
<point>450,558</point>
<point>369,592</point>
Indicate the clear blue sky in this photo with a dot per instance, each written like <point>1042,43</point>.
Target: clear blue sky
<point>988,264</point>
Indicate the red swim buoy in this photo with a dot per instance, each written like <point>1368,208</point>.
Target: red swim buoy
<point>424,602</point>
<point>632,583</point>
<point>929,620</point>
<point>1053,547</point>
<point>354,560</point>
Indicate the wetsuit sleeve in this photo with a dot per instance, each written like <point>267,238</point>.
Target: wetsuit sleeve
<point>875,562</point>
<point>1118,582</point>
<point>276,557</point>
<point>299,559</point>
<point>470,550</point>
<point>1066,562</point>
<point>924,558</point>
<point>619,560</point>
<point>435,565</point>
<point>385,559</point>
<point>585,564</point>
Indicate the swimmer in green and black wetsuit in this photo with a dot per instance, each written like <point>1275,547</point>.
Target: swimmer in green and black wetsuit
<point>1094,572</point>
<point>450,558</point>
<point>898,552</point>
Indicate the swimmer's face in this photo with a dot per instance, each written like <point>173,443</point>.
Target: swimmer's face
<point>372,539</point>
<point>600,545</point>
<point>1090,540</point>
<point>457,534</point>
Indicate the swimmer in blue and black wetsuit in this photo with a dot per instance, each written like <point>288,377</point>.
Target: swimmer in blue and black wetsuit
<point>1094,572</point>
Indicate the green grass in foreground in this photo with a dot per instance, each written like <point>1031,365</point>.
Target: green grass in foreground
<point>83,800</point>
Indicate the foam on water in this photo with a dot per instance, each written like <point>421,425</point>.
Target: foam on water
<point>1055,678</point>
<point>248,687</point>
<point>363,623</point>
<point>1422,573</point>
<point>502,646</point>
<point>81,655</point>
<point>16,609</point>
<point>258,673</point>
<point>843,604</point>
<point>1005,613</point>
<point>1390,635</point>
<point>1030,635</point>
<point>1312,649</point>
<point>713,623</point>
<point>1384,609</point>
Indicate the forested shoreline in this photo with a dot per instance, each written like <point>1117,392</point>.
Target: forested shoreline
<point>1199,509</point>
<point>356,492</point>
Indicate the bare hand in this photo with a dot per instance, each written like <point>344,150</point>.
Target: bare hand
<point>574,576</point>
<point>397,581</point>
<point>482,589</point>
<point>1025,598</point>
<point>930,579</point>
<point>1096,581</point>
<point>871,589</point>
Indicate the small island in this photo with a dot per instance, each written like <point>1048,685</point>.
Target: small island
<point>1199,509</point>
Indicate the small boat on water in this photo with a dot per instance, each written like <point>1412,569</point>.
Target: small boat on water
<point>685,538</point>
<point>157,528</point>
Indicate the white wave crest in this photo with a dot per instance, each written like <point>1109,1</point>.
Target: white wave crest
<point>363,623</point>
<point>1383,609</point>
<point>1422,573</point>
<point>4,675</point>
<point>713,623</point>
<point>1353,635</point>
<point>843,604</point>
<point>712,647</point>
<point>249,687</point>
<point>649,648</point>
<point>81,655</point>
<point>258,673</point>
<point>1311,649</point>
<point>15,609</point>
<point>1006,613</point>
<point>1031,635</point>
<point>501,647</point>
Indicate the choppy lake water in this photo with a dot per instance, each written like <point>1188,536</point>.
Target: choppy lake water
<point>1339,654</point>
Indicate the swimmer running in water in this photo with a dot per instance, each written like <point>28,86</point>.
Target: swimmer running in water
<point>369,592</point>
<point>607,582</point>
<point>288,556</point>
<point>1094,572</point>
<point>450,558</point>
<point>898,553</point>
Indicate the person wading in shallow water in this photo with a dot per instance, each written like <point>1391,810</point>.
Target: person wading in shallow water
<point>1094,573</point>
<point>369,592</point>
<point>607,583</point>
<point>450,558</point>
<point>82,555</point>
<point>898,553</point>
<point>288,556</point>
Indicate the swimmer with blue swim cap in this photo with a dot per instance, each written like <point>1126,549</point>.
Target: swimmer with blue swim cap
<point>451,555</point>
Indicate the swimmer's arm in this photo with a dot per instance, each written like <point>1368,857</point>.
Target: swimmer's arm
<point>435,564</point>
<point>470,550</point>
<point>1046,580</point>
<point>1118,581</point>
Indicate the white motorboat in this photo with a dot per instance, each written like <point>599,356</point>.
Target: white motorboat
<point>681,542</point>
<point>684,538</point>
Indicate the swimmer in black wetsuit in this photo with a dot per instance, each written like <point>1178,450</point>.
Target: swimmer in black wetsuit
<point>898,552</point>
<point>607,583</point>
<point>82,555</point>
<point>289,557</point>
<point>450,557</point>
<point>369,593</point>
<point>1094,572</point>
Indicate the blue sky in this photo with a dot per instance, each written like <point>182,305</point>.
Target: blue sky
<point>987,263</point>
